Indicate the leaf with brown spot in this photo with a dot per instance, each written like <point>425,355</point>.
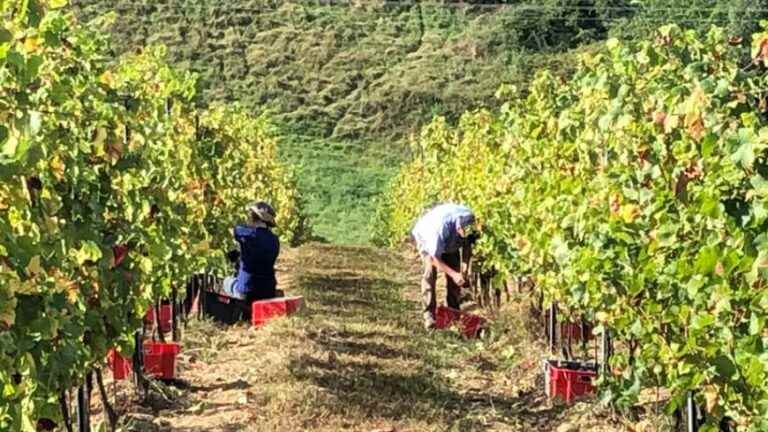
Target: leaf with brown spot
<point>719,269</point>
<point>760,50</point>
<point>696,128</point>
<point>615,203</point>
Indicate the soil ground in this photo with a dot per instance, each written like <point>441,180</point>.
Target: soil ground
<point>356,358</point>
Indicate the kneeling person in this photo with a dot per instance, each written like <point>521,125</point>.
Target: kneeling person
<point>259,248</point>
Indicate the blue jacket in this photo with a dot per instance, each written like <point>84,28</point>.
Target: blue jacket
<point>259,249</point>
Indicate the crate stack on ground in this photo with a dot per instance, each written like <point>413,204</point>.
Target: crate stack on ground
<point>230,310</point>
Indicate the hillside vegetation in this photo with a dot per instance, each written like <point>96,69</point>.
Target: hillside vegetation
<point>344,70</point>
<point>344,77</point>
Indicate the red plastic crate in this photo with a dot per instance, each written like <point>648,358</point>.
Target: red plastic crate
<point>569,381</point>
<point>263,311</point>
<point>574,330</point>
<point>159,361</point>
<point>121,366</point>
<point>166,317</point>
<point>470,324</point>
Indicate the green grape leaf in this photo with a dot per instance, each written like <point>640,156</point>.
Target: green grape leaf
<point>89,251</point>
<point>745,150</point>
<point>5,35</point>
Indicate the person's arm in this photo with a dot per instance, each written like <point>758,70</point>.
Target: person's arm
<point>432,244</point>
<point>277,251</point>
<point>236,233</point>
<point>445,268</point>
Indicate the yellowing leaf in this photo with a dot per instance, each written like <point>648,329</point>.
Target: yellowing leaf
<point>72,293</point>
<point>612,43</point>
<point>106,78</point>
<point>114,149</point>
<point>671,122</point>
<point>57,167</point>
<point>629,213</point>
<point>31,45</point>
<point>10,145</point>
<point>57,4</point>
<point>88,252</point>
<point>696,128</point>
<point>34,268</point>
<point>203,246</point>
<point>711,396</point>
<point>760,49</point>
<point>28,287</point>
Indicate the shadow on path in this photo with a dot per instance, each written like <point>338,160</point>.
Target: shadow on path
<point>378,361</point>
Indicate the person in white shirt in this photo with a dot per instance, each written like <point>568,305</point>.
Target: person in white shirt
<point>439,235</point>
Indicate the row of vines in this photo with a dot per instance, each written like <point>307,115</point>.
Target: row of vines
<point>634,193</point>
<point>113,188</point>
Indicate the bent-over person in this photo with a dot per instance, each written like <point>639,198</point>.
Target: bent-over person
<point>440,236</point>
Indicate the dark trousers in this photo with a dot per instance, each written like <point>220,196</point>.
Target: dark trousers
<point>429,279</point>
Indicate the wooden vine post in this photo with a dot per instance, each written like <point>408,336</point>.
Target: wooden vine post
<point>607,351</point>
<point>692,418</point>
<point>552,331</point>
<point>138,365</point>
<point>84,404</point>
<point>175,306</point>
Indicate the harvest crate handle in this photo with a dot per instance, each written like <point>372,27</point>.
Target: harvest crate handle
<point>149,349</point>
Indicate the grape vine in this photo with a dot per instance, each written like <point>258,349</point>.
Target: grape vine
<point>633,193</point>
<point>97,157</point>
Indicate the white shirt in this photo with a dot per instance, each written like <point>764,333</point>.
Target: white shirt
<point>436,233</point>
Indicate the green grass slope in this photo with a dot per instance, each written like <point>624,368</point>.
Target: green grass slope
<point>340,181</point>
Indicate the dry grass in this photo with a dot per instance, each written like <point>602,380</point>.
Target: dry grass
<point>356,358</point>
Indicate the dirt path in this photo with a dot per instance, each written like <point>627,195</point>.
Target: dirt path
<point>356,359</point>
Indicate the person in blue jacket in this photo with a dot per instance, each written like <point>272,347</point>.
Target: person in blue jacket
<point>259,248</point>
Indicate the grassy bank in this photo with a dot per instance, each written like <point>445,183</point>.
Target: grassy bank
<point>339,182</point>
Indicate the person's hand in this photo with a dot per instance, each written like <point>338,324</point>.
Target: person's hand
<point>458,278</point>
